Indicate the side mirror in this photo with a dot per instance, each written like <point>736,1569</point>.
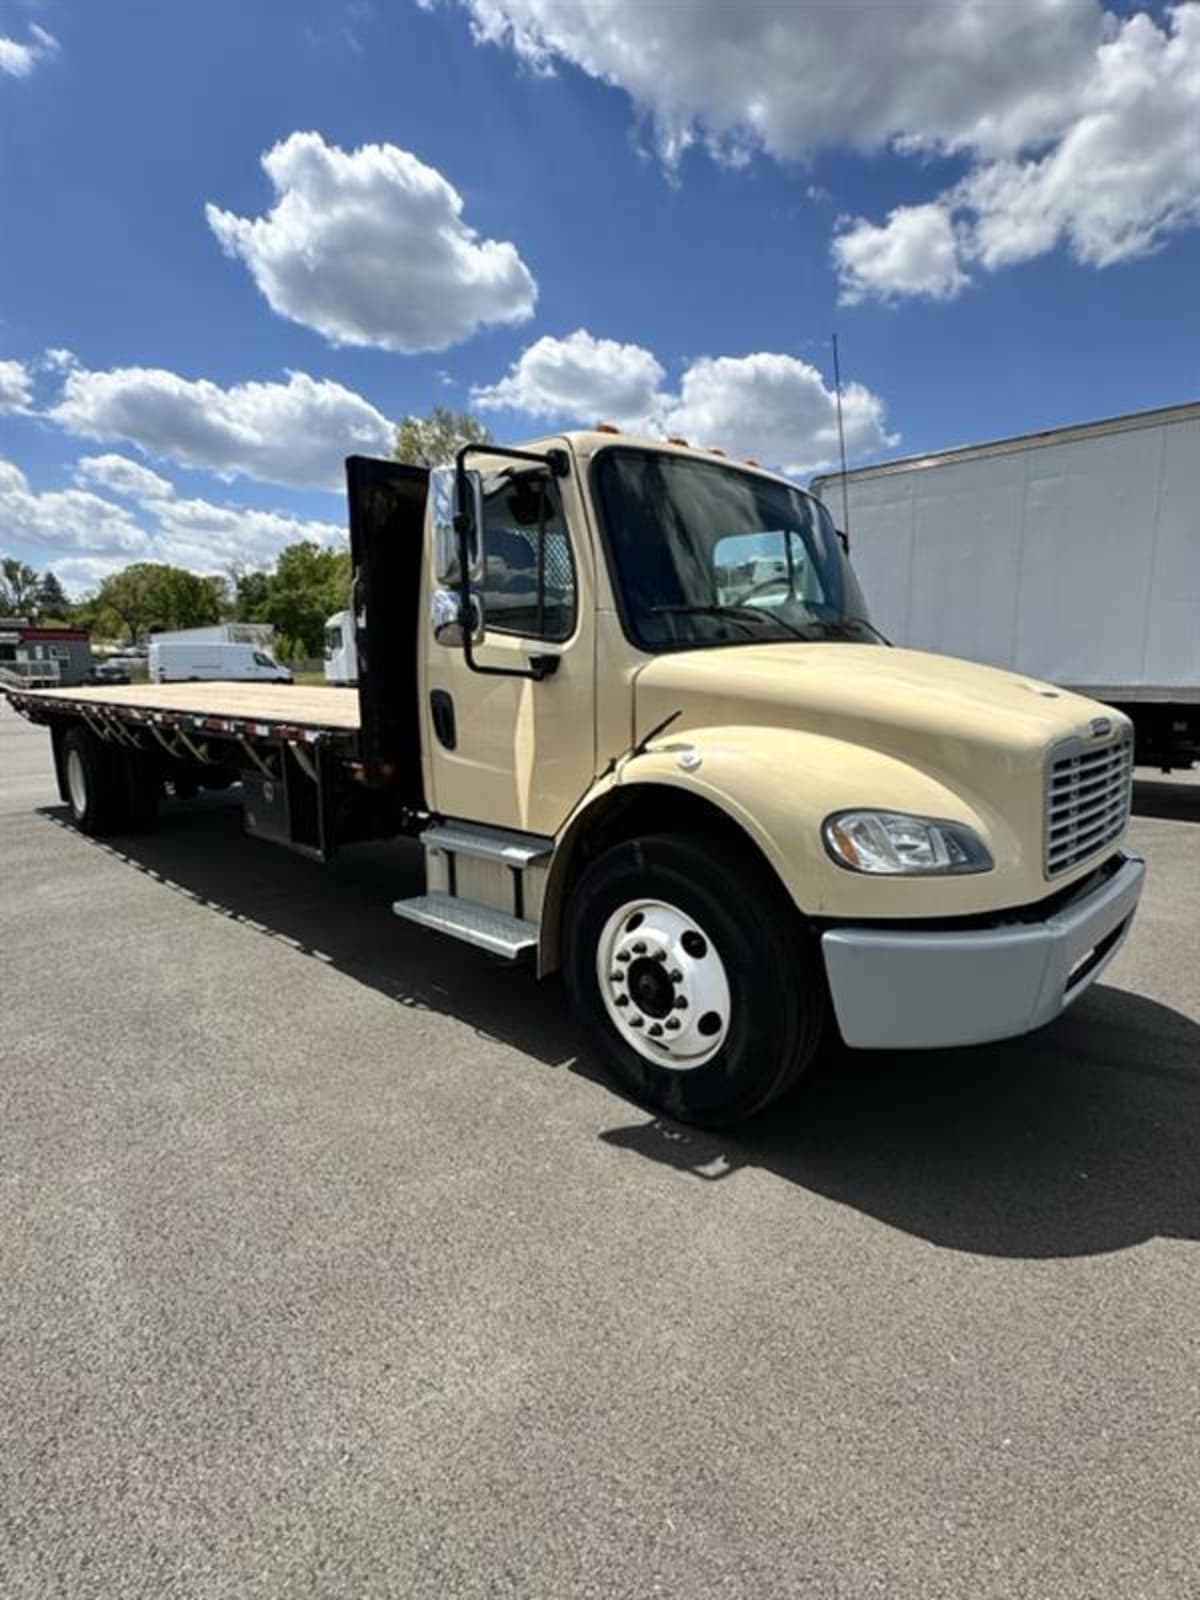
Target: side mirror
<point>448,515</point>
<point>446,618</point>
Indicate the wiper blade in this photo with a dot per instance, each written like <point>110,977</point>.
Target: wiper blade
<point>735,613</point>
<point>837,626</point>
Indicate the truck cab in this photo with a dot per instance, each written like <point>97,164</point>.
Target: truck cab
<point>665,749</point>
<point>341,665</point>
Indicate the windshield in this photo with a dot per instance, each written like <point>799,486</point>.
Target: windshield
<point>707,554</point>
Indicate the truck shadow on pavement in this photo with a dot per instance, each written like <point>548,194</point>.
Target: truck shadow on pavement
<point>1081,1139</point>
<point>1169,802</point>
<point>340,914</point>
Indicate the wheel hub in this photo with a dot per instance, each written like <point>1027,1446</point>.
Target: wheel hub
<point>650,988</point>
<point>663,984</point>
<point>76,783</point>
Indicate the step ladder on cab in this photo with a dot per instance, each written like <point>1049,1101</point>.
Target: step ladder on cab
<point>483,885</point>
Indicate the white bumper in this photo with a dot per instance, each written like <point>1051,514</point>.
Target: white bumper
<point>908,990</point>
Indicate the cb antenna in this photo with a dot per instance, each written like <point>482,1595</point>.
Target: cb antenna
<point>837,384</point>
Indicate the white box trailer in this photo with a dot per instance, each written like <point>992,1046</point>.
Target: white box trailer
<point>1071,555</point>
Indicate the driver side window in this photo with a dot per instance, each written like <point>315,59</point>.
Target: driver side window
<point>528,585</point>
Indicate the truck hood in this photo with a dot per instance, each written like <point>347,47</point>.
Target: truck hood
<point>951,717</point>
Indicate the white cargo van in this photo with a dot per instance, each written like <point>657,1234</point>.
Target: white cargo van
<point>194,661</point>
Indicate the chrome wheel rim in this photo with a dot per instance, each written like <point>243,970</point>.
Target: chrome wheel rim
<point>663,984</point>
<point>76,782</point>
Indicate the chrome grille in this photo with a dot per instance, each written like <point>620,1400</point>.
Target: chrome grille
<point>1088,792</point>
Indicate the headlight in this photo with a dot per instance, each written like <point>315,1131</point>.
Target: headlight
<point>893,843</point>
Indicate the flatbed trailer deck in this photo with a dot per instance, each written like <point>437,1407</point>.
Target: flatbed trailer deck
<point>238,705</point>
<point>296,752</point>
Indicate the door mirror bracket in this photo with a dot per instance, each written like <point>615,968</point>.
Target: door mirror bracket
<point>458,519</point>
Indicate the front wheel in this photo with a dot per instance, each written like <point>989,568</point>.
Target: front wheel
<point>689,968</point>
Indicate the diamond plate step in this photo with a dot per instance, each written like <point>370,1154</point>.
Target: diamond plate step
<point>496,931</point>
<point>487,844</point>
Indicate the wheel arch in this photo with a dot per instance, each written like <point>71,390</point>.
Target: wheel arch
<point>625,811</point>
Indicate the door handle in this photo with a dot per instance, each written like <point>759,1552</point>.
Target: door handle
<point>441,707</point>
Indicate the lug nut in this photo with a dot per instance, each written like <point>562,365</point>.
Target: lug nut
<point>660,955</point>
<point>639,948</point>
<point>681,1002</point>
<point>673,1024</point>
<point>656,1031</point>
<point>616,977</point>
<point>675,975</point>
<point>622,955</point>
<point>635,1022</point>
<point>621,1000</point>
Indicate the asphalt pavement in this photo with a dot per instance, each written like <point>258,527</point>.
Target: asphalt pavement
<point>327,1268</point>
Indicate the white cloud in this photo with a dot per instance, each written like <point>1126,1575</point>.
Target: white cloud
<point>16,386</point>
<point>369,247</point>
<point>295,433</point>
<point>791,77</point>
<point>915,252</point>
<point>581,378</point>
<point>1078,123</point>
<point>84,536</point>
<point>774,407</point>
<point>119,475</point>
<point>208,537</point>
<point>18,60</point>
<point>70,519</point>
<point>1124,176</point>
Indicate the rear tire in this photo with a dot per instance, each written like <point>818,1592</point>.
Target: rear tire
<point>143,790</point>
<point>95,782</point>
<point>690,971</point>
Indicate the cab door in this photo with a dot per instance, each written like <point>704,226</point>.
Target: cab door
<point>516,752</point>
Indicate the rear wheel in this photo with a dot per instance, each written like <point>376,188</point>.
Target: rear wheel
<point>95,782</point>
<point>109,790</point>
<point>691,972</point>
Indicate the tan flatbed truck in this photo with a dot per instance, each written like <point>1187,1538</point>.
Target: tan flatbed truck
<point>627,696</point>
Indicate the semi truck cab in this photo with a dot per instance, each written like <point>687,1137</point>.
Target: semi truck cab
<point>628,695</point>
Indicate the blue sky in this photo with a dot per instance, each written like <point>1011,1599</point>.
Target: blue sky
<point>663,213</point>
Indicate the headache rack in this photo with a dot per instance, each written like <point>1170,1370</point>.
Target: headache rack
<point>1088,793</point>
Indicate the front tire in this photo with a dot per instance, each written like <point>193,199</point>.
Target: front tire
<point>690,971</point>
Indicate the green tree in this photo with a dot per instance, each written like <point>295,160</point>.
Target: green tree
<point>250,588</point>
<point>20,587</point>
<point>150,594</point>
<point>52,601</point>
<point>308,584</point>
<point>433,440</point>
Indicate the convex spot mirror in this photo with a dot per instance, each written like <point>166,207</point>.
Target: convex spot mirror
<point>446,617</point>
<point>449,514</point>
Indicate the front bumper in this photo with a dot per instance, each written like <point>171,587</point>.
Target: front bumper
<point>908,990</point>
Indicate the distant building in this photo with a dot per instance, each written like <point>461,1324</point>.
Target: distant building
<point>45,657</point>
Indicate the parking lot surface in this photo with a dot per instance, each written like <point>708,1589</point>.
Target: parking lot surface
<point>327,1268</point>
